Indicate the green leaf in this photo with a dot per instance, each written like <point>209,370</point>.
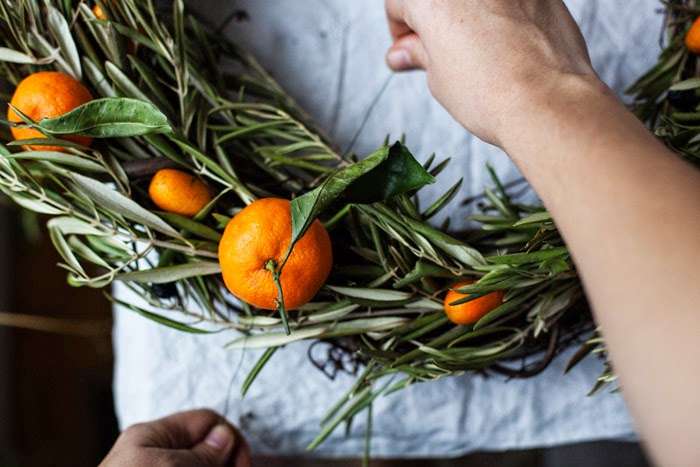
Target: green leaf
<point>275,339</point>
<point>334,312</point>
<point>688,84</point>
<point>398,173</point>
<point>363,326</point>
<point>385,173</point>
<point>35,205</point>
<point>59,29</point>
<point>115,201</point>
<point>160,319</point>
<point>450,245</point>
<point>13,56</point>
<point>255,371</point>
<point>190,225</point>
<point>379,295</point>
<point>60,158</point>
<point>72,226</point>
<point>64,250</point>
<point>168,274</point>
<point>524,258</point>
<point>110,117</point>
<point>536,218</point>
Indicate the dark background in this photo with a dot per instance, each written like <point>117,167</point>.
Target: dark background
<point>55,388</point>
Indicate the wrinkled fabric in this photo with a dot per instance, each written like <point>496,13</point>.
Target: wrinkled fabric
<point>329,54</point>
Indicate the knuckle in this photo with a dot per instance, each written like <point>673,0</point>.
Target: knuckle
<point>136,431</point>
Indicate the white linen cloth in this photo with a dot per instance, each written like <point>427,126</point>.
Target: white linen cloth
<point>329,54</point>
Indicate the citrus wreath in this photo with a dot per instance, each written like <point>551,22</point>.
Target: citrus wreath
<point>207,190</point>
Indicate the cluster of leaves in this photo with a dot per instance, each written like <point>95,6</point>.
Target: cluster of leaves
<point>667,97</point>
<point>176,94</point>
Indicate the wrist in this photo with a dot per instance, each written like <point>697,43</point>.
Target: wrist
<point>545,110</point>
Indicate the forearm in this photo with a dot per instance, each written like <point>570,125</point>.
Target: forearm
<point>630,213</point>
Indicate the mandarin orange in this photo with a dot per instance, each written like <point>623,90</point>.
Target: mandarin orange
<point>179,192</point>
<point>472,311</point>
<point>99,12</point>
<point>692,38</point>
<point>47,94</point>
<point>256,240</point>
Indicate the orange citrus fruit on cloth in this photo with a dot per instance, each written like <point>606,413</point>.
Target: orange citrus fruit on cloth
<point>179,192</point>
<point>47,94</point>
<point>692,39</point>
<point>473,311</point>
<point>260,235</point>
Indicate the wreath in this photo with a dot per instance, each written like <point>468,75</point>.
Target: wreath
<point>175,164</point>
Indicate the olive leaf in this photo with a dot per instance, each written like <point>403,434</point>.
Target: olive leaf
<point>59,28</point>
<point>110,117</point>
<point>113,200</point>
<point>191,226</point>
<point>379,295</point>
<point>387,172</point>
<point>160,319</point>
<point>70,225</point>
<point>60,158</point>
<point>171,273</point>
<point>15,56</point>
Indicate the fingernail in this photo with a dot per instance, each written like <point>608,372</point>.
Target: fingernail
<point>220,437</point>
<point>399,59</point>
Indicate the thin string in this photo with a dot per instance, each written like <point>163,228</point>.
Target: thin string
<point>230,382</point>
<point>368,113</point>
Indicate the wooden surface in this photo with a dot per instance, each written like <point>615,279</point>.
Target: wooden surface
<point>61,385</point>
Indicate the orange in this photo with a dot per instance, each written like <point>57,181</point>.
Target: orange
<point>179,192</point>
<point>47,94</point>
<point>256,239</point>
<point>99,12</point>
<point>692,39</point>
<point>473,311</point>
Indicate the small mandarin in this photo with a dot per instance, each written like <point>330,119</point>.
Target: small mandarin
<point>692,39</point>
<point>47,94</point>
<point>99,12</point>
<point>473,311</point>
<point>258,238</point>
<point>179,192</point>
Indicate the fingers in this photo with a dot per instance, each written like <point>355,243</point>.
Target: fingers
<point>178,431</point>
<point>395,14</point>
<point>216,448</point>
<point>407,53</point>
<point>200,438</point>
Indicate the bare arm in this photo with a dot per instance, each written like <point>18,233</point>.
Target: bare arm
<point>517,74</point>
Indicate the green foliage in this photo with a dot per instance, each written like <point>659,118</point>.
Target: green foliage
<point>166,100</point>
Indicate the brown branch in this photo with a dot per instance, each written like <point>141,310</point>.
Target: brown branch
<point>73,327</point>
<point>142,168</point>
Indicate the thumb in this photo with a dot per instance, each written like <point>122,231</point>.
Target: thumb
<point>217,446</point>
<point>407,53</point>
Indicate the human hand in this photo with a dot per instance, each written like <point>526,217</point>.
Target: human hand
<point>197,438</point>
<point>488,60</point>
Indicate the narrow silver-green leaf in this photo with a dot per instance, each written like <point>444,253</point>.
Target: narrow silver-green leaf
<point>70,225</point>
<point>61,32</point>
<point>536,218</point>
<point>275,339</point>
<point>36,205</point>
<point>60,158</point>
<point>14,56</point>
<point>115,201</point>
<point>168,274</point>
<point>380,295</point>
